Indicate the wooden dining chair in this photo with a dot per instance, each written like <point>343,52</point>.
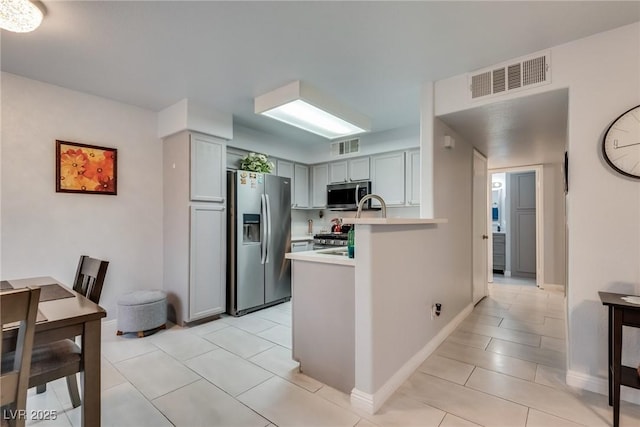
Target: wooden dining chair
<point>17,305</point>
<point>63,358</point>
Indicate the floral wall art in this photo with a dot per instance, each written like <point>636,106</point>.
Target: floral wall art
<point>82,168</point>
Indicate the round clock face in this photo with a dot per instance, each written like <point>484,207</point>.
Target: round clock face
<point>621,144</point>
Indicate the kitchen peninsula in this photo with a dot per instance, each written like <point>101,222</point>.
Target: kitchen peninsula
<point>363,325</point>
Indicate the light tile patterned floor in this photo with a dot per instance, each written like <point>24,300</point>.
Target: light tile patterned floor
<point>504,366</point>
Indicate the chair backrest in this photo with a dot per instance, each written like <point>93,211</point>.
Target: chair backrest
<point>90,277</point>
<point>18,306</point>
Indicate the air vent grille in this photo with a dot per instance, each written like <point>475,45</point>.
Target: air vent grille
<point>533,71</point>
<point>515,76</point>
<point>498,80</point>
<point>481,85</point>
<point>526,73</point>
<point>349,146</point>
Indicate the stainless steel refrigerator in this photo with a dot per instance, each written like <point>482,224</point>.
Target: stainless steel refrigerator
<point>259,235</point>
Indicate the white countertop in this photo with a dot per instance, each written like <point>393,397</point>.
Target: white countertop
<point>322,256</point>
<point>394,221</point>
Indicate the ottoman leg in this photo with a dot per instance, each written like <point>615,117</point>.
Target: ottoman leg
<point>140,334</point>
<point>119,333</point>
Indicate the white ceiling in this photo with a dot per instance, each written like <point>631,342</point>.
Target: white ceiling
<point>372,56</point>
<point>518,132</point>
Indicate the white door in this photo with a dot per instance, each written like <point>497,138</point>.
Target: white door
<point>480,235</point>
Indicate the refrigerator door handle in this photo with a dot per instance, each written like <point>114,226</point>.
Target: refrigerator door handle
<point>263,222</point>
<point>268,245</point>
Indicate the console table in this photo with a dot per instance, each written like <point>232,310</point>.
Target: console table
<point>621,313</point>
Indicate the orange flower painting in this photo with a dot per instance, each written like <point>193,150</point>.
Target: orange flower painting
<point>82,168</point>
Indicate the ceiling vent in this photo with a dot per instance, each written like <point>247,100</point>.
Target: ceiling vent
<point>520,74</point>
<point>349,146</point>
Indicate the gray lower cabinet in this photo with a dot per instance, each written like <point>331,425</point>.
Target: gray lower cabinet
<point>207,279</point>
<point>499,251</point>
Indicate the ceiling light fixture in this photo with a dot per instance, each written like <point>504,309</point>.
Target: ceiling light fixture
<point>20,16</point>
<point>303,106</point>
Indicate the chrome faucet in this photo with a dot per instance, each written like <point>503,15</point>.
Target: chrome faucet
<point>372,196</point>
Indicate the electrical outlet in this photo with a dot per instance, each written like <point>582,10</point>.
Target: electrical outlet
<point>435,310</point>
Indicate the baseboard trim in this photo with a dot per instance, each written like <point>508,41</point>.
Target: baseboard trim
<point>372,402</point>
<point>600,385</point>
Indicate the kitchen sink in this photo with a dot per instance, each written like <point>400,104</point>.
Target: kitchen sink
<point>341,252</point>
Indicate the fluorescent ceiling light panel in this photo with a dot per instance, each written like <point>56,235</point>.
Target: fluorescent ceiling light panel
<point>20,16</point>
<point>301,105</point>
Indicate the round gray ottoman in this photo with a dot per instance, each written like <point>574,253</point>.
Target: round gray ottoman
<point>140,311</point>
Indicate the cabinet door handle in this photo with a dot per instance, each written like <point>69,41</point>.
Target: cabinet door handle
<point>485,237</point>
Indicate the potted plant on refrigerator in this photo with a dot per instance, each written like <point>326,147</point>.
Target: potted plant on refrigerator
<point>254,162</point>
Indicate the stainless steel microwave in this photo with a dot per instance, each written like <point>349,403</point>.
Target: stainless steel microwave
<point>346,196</point>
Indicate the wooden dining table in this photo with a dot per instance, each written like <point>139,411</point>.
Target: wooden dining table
<point>68,314</point>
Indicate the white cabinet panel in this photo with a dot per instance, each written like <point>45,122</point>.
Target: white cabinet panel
<point>301,186</point>
<point>208,158</point>
<point>359,169</point>
<point>388,178</point>
<point>413,177</point>
<point>207,258</point>
<point>338,172</point>
<point>319,187</point>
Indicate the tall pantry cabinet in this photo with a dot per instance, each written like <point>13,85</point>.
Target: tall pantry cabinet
<point>194,229</point>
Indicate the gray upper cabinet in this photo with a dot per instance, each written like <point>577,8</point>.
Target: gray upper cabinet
<point>349,170</point>
<point>299,175</point>
<point>208,158</point>
<point>359,169</point>
<point>388,178</point>
<point>300,186</point>
<point>284,168</point>
<point>320,179</point>
<point>338,172</point>
<point>234,157</point>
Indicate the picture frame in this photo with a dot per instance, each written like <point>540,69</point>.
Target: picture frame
<point>87,169</point>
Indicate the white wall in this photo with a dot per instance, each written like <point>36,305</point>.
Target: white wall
<point>403,270</point>
<point>602,73</point>
<point>44,232</point>
<point>452,197</point>
<point>262,142</point>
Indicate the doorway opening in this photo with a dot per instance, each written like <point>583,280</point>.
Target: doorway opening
<point>516,226</point>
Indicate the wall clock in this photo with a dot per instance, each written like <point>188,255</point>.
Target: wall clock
<point>621,143</point>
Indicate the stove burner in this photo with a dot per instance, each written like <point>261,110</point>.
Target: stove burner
<point>330,239</point>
